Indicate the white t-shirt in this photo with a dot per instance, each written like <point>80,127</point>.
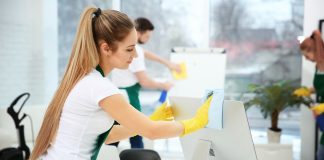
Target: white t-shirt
<point>127,78</point>
<point>82,119</point>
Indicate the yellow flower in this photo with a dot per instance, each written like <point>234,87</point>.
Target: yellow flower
<point>302,92</point>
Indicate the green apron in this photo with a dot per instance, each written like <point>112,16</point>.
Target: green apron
<point>102,137</point>
<point>133,96</point>
<point>319,87</point>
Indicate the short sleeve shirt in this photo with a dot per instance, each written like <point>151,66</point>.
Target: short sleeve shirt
<point>82,119</point>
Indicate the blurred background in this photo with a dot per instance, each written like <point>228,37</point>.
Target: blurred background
<point>260,39</point>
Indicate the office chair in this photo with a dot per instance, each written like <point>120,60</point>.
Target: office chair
<point>139,154</point>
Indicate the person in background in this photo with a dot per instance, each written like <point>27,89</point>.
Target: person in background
<point>312,49</point>
<point>81,114</point>
<point>136,77</point>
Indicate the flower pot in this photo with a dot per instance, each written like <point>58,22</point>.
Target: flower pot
<point>274,136</point>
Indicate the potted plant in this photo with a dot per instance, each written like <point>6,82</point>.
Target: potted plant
<point>272,99</point>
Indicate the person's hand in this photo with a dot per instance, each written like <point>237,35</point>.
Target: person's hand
<point>162,113</point>
<point>302,92</point>
<point>175,67</point>
<point>167,85</point>
<point>199,121</point>
<point>318,109</point>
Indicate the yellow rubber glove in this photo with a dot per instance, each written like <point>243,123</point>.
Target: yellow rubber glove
<point>199,121</point>
<point>319,109</point>
<point>302,92</point>
<point>162,113</point>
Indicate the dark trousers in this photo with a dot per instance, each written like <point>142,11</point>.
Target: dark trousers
<point>136,142</point>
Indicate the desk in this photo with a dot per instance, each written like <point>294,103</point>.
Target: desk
<point>274,151</point>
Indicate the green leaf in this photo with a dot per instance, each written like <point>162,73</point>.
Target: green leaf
<point>275,96</point>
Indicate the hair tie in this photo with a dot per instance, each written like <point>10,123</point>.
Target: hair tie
<point>98,12</point>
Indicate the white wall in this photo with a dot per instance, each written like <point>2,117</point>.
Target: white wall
<point>116,4</point>
<point>28,50</point>
<point>50,47</point>
<point>313,11</point>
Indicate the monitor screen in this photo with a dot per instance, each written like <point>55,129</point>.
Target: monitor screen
<point>235,137</point>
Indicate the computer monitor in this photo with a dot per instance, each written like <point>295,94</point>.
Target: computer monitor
<point>233,142</point>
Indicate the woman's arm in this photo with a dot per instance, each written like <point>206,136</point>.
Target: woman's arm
<point>126,115</point>
<point>118,133</point>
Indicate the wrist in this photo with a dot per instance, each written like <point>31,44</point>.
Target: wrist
<point>168,64</point>
<point>183,129</point>
<point>162,86</point>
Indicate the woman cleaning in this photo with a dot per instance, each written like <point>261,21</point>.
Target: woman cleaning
<point>86,103</point>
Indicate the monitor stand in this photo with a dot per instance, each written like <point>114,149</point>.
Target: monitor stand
<point>205,150</point>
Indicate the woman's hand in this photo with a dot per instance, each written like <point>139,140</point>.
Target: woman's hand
<point>162,113</point>
<point>199,121</point>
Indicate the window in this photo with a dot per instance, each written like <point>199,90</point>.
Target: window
<point>177,23</point>
<point>261,41</point>
<point>69,16</point>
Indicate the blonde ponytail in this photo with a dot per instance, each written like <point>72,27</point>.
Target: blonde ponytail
<point>110,26</point>
<point>83,58</point>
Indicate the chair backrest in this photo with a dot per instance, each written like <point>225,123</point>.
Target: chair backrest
<point>139,154</point>
<point>22,151</point>
<point>20,128</point>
